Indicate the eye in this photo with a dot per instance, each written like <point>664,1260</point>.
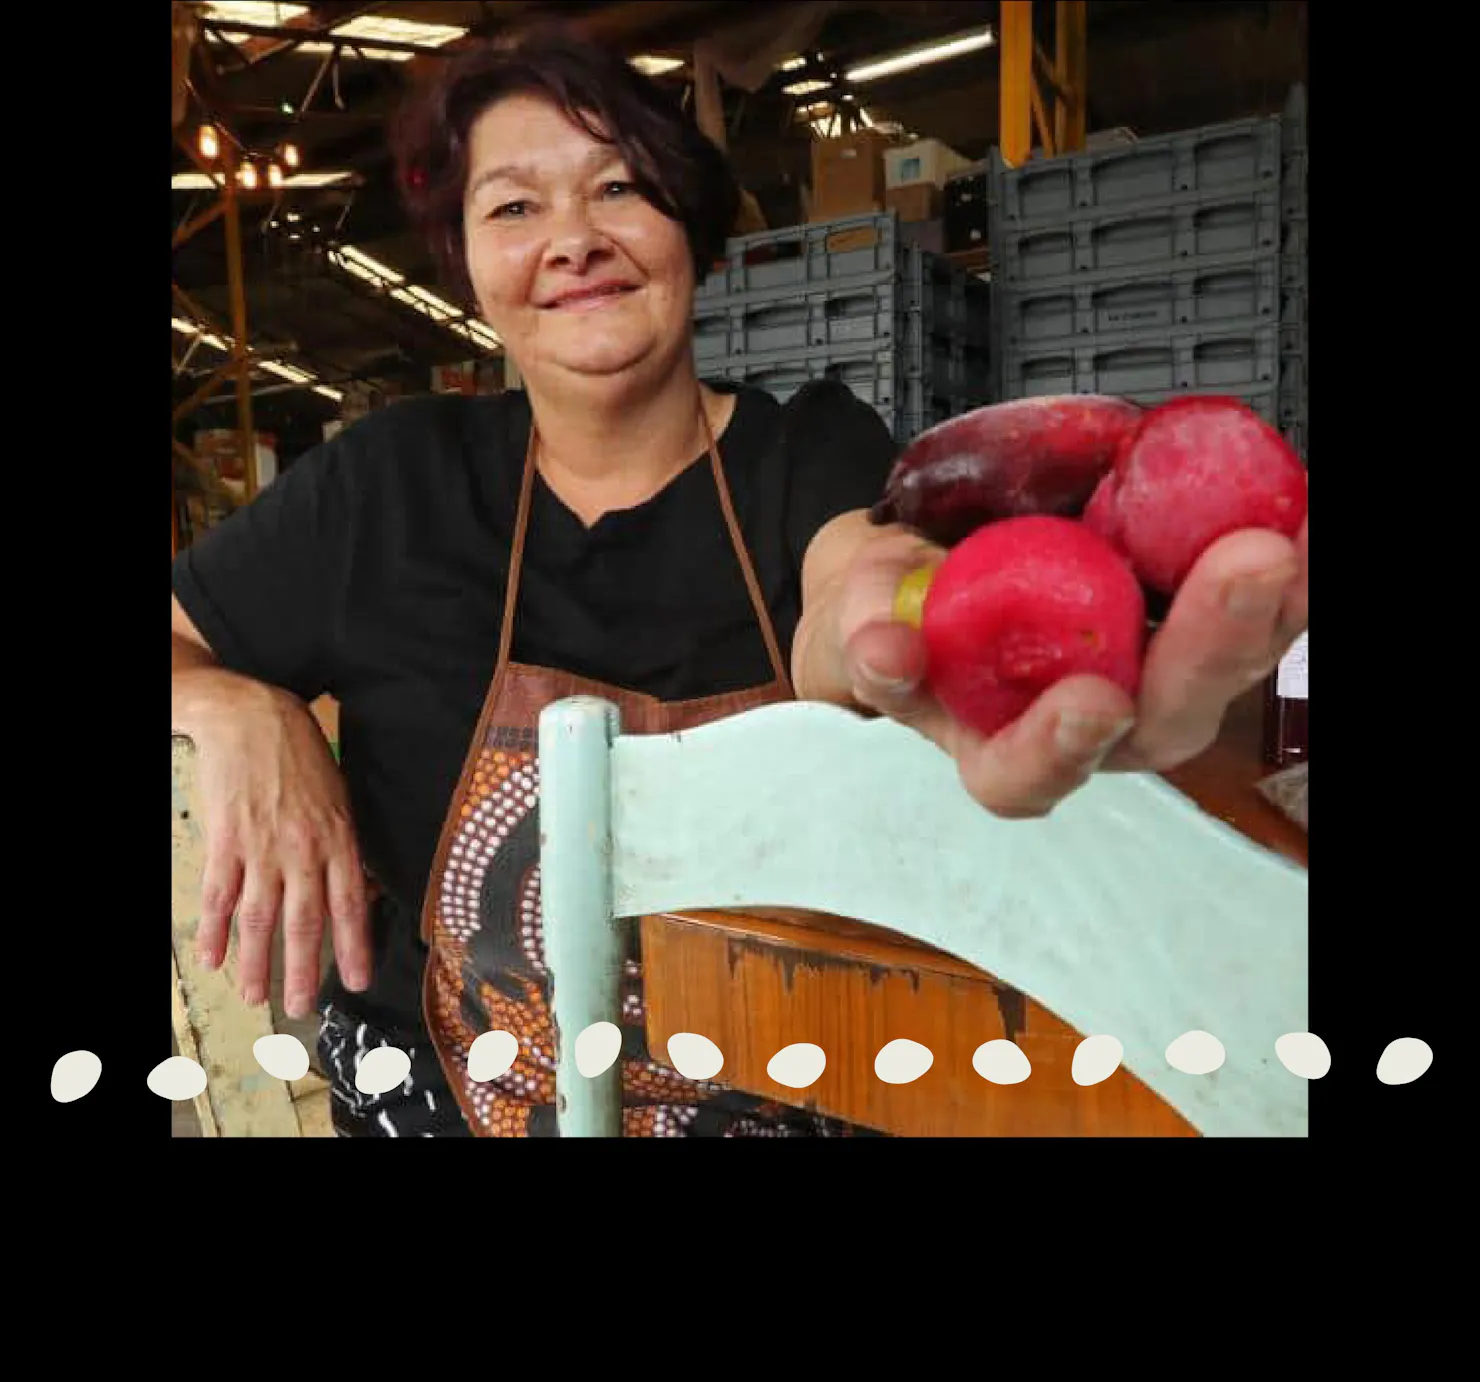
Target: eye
<point>618,188</point>
<point>508,210</point>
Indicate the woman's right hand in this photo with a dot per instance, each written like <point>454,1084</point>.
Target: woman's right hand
<point>280,843</point>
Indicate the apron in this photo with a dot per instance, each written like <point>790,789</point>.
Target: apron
<point>481,917</point>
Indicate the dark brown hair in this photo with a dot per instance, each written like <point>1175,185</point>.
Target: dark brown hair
<point>673,165</point>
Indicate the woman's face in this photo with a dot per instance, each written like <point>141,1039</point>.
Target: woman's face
<point>570,265</point>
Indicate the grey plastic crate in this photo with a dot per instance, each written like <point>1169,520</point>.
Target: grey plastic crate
<point>1241,156</point>
<point>762,323</point>
<point>877,375</point>
<point>1298,435</point>
<point>851,250</point>
<point>792,323</point>
<point>1294,253</point>
<point>1194,359</point>
<point>1142,240</point>
<point>954,303</point>
<point>907,406</point>
<point>1293,385</point>
<point>1144,305</point>
<point>950,304</point>
<point>1265,402</point>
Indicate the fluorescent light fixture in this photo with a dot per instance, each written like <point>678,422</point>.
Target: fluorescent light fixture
<point>324,389</point>
<point>791,65</point>
<point>918,57</point>
<point>433,302</point>
<point>360,263</point>
<point>805,88</point>
<point>202,182</point>
<point>185,328</point>
<point>263,12</point>
<point>367,28</point>
<point>656,67</point>
<point>816,109</point>
<point>298,376</point>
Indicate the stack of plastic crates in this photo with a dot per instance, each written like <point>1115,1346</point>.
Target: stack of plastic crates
<point>906,331</point>
<point>1174,265</point>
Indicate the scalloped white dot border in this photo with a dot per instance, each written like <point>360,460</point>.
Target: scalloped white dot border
<point>798,1066</point>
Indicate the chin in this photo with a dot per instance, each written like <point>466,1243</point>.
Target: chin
<point>603,358</point>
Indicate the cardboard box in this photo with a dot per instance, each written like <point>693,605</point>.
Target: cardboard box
<point>915,201</point>
<point>847,176</point>
<point>926,160</point>
<point>966,211</point>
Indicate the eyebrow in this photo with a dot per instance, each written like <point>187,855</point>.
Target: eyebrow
<point>522,172</point>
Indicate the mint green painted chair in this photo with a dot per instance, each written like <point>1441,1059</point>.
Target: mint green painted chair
<point>1128,912</point>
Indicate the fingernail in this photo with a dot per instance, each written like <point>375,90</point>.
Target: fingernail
<point>205,959</point>
<point>356,980</point>
<point>1256,597</point>
<point>870,680</point>
<point>253,997</point>
<point>1089,738</point>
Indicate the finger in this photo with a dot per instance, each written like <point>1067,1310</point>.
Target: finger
<point>348,918</point>
<point>1220,639</point>
<point>303,930</point>
<point>1051,750</point>
<point>256,920</point>
<point>221,883</point>
<point>1296,613</point>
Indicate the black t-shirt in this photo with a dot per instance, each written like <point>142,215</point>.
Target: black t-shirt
<point>374,570</point>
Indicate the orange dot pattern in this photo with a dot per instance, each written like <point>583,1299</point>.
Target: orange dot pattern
<point>500,791</point>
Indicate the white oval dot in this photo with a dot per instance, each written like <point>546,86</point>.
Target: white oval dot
<point>597,1048</point>
<point>695,1057</point>
<point>1404,1061</point>
<point>492,1055</point>
<point>74,1076</point>
<point>1001,1062</point>
<point>177,1078</point>
<point>1303,1054</point>
<point>382,1069</point>
<point>903,1061</point>
<point>1195,1053</point>
<point>1096,1059</point>
<point>798,1065</point>
<point>282,1055</point>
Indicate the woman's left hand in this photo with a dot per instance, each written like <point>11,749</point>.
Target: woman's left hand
<point>1238,612</point>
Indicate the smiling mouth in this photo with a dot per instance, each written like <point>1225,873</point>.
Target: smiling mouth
<point>597,298</point>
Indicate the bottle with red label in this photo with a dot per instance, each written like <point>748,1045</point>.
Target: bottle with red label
<point>1286,709</point>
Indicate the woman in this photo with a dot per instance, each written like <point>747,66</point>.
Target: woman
<point>448,566</point>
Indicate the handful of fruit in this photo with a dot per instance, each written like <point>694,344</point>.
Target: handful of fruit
<point>1061,515</point>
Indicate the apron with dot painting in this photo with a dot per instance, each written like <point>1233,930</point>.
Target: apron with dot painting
<point>481,917</point>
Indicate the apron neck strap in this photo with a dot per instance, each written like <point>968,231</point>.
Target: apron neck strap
<point>521,533</point>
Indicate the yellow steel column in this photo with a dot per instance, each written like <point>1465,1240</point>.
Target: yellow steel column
<point>1015,131</point>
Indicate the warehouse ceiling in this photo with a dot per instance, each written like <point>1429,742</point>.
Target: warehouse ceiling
<point>312,74</point>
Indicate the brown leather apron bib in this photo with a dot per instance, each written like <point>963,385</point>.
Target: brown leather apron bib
<point>481,917</point>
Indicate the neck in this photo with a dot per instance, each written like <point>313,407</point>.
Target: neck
<point>614,446</point>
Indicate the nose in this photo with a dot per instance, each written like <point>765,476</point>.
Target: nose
<point>574,241</point>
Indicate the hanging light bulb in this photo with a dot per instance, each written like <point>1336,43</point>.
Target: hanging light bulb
<point>209,144</point>
<point>290,155</point>
<point>249,175</point>
<point>274,175</point>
